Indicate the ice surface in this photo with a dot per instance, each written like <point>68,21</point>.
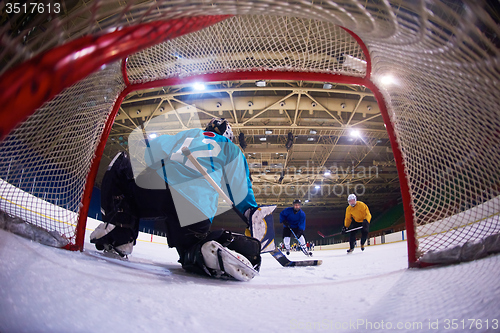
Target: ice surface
<point>44,289</point>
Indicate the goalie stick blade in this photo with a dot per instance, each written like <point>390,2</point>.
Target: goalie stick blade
<point>285,262</point>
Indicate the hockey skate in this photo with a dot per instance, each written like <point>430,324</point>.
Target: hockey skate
<point>350,251</point>
<point>304,249</point>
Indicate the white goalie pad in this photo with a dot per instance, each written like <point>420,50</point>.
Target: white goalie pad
<point>102,230</point>
<point>125,249</point>
<point>234,264</point>
<point>105,228</point>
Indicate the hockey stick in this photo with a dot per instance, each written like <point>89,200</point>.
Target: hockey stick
<point>285,262</point>
<point>301,246</point>
<point>276,253</point>
<point>187,153</point>
<point>338,233</point>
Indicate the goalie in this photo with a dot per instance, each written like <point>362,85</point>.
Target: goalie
<point>170,189</point>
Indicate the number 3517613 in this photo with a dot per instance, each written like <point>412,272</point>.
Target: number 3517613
<point>33,8</point>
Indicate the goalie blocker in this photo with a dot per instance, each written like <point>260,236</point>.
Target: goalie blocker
<point>262,226</point>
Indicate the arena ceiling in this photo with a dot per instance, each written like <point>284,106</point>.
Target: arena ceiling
<point>339,142</point>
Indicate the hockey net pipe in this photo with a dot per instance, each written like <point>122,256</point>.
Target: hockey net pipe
<point>64,77</point>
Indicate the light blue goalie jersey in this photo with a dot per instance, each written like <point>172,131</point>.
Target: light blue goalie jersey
<point>221,158</point>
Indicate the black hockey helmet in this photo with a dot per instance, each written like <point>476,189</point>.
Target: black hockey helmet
<point>297,201</point>
<point>220,126</point>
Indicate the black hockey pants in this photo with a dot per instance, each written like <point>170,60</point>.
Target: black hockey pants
<point>364,233</point>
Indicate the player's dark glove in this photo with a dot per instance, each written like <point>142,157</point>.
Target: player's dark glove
<point>344,230</point>
<point>286,224</point>
<point>365,221</point>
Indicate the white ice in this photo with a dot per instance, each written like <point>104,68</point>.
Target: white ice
<point>44,289</point>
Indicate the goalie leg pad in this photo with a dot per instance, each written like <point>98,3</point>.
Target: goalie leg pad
<point>247,246</point>
<point>102,230</point>
<point>193,260</point>
<point>224,260</point>
<point>108,236</point>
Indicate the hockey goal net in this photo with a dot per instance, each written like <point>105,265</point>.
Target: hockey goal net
<point>64,75</point>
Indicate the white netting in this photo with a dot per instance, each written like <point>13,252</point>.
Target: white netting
<point>445,108</point>
<point>244,43</point>
<point>444,104</point>
<point>48,157</point>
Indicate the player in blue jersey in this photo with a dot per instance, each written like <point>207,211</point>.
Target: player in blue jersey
<point>293,218</point>
<point>171,189</point>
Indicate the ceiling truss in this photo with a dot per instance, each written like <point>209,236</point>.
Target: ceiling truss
<point>326,161</point>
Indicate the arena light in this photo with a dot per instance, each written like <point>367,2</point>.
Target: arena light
<point>260,83</point>
<point>388,80</point>
<point>355,133</point>
<point>198,86</point>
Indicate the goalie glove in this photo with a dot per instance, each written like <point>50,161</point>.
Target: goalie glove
<point>261,226</point>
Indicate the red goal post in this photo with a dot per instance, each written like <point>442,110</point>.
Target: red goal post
<point>449,201</point>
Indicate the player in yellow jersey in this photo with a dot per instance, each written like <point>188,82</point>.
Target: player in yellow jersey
<point>357,215</point>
